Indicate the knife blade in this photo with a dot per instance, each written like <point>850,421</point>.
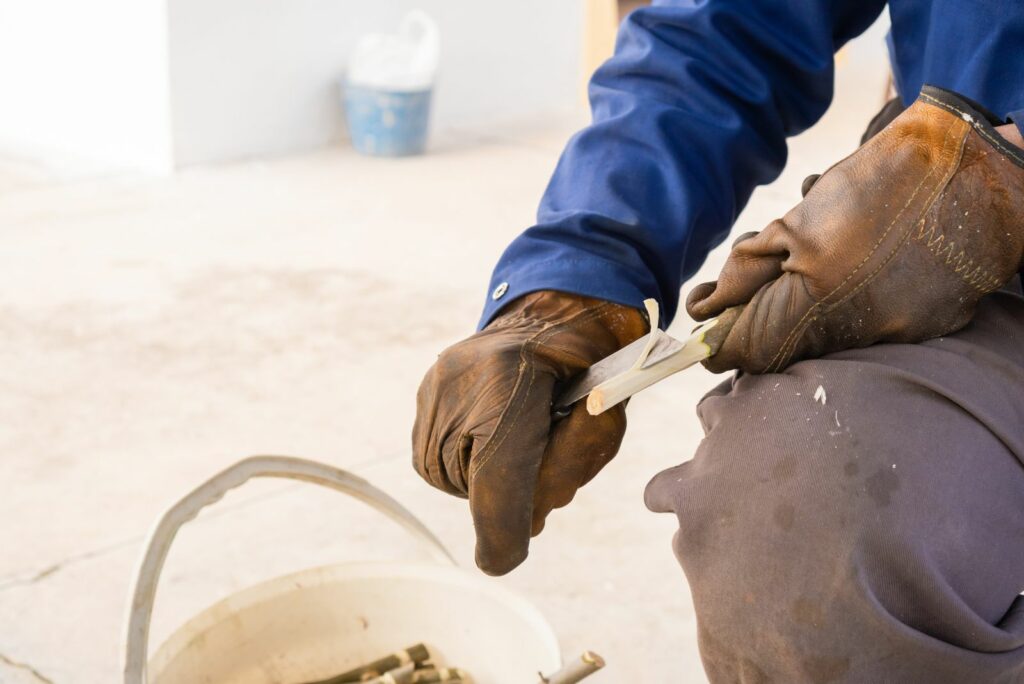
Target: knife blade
<point>676,355</point>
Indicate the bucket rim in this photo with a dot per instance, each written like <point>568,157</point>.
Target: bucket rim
<point>274,587</point>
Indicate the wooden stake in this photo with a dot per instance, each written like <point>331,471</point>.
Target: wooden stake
<point>584,666</point>
<point>399,675</point>
<point>413,654</point>
<point>643,362</point>
<point>620,387</point>
<point>444,674</point>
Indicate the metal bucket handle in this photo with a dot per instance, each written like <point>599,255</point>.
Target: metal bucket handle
<point>161,536</point>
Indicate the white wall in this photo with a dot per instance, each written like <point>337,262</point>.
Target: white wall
<point>157,84</point>
<point>83,82</point>
<point>259,77</point>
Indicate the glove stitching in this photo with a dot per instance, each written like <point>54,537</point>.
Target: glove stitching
<point>927,235</point>
<point>788,347</point>
<point>800,325</point>
<point>966,116</point>
<point>953,165</point>
<point>526,355</point>
<point>518,399</point>
<point>947,176</point>
<point>933,237</point>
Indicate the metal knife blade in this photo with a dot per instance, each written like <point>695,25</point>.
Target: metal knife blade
<point>664,345</point>
<point>621,361</point>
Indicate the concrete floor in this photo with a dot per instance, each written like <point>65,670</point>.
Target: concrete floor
<point>153,331</point>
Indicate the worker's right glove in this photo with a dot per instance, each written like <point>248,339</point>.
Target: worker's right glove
<point>484,428</point>
<point>895,243</point>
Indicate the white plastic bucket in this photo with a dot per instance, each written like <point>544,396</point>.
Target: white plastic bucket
<point>318,623</point>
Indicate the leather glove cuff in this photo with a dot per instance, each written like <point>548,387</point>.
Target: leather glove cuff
<point>553,308</point>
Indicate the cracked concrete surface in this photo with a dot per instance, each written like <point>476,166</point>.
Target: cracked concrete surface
<point>22,672</point>
<point>153,331</point>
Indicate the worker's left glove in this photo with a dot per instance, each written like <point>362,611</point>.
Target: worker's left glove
<point>896,243</point>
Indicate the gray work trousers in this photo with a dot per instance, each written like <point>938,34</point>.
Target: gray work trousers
<point>860,517</point>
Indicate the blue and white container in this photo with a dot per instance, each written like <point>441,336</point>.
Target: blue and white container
<point>388,88</point>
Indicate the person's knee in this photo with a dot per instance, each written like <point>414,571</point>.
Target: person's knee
<point>778,486</point>
<point>752,483</point>
<point>817,531</point>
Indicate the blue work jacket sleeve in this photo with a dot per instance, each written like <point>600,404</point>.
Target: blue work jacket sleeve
<point>689,116</point>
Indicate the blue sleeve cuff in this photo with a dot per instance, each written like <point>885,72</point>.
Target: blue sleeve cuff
<point>588,276</point>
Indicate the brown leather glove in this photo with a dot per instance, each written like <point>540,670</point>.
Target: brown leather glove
<point>896,243</point>
<point>483,417</point>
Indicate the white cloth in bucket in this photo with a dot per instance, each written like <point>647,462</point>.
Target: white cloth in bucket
<point>399,62</point>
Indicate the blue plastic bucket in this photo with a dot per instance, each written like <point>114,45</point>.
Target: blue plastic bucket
<point>387,124</point>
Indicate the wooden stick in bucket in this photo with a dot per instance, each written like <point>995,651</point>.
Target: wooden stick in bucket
<point>413,654</point>
<point>399,675</point>
<point>584,666</point>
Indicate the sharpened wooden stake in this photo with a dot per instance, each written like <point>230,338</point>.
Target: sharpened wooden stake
<point>620,387</point>
<point>644,362</point>
<point>584,666</point>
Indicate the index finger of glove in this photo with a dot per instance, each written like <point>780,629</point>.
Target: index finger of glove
<point>445,400</point>
<point>504,471</point>
<point>773,328</point>
<point>753,262</point>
